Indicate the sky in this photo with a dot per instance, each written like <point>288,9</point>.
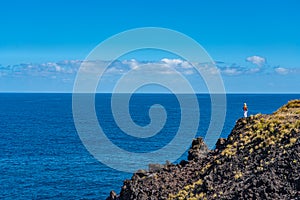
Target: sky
<point>255,44</point>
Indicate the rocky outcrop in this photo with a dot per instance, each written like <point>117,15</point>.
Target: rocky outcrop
<point>159,183</point>
<point>112,196</point>
<point>259,160</point>
<point>198,150</point>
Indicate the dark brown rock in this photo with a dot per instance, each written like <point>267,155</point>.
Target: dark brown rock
<point>112,196</point>
<point>155,167</point>
<point>198,150</point>
<point>259,160</point>
<point>220,143</point>
<point>141,173</point>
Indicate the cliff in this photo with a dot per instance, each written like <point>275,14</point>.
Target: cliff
<point>260,159</point>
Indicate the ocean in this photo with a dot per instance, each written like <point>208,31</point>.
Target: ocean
<point>42,156</point>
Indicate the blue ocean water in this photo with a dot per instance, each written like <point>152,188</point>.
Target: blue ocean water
<point>42,157</point>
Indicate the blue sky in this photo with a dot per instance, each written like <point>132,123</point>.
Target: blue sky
<point>256,43</point>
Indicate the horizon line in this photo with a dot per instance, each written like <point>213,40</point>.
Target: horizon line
<point>57,92</point>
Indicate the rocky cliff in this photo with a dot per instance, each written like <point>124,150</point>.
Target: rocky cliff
<point>260,159</point>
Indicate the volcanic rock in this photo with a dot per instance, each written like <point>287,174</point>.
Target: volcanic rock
<point>259,160</point>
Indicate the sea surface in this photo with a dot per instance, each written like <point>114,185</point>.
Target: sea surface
<point>42,156</point>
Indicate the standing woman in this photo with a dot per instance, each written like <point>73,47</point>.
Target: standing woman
<point>245,108</point>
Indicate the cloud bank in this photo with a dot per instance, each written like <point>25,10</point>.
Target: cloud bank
<point>69,68</point>
<point>256,60</point>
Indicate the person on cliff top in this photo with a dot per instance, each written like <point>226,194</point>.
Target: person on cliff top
<point>245,108</point>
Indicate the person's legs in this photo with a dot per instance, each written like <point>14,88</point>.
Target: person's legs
<point>245,113</point>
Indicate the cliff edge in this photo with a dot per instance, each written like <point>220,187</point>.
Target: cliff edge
<point>260,159</point>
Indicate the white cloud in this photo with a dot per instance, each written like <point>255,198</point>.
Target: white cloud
<point>172,61</point>
<point>133,64</point>
<point>157,68</point>
<point>253,70</point>
<point>93,66</point>
<point>179,65</point>
<point>166,66</point>
<point>186,65</point>
<point>115,70</point>
<point>281,70</point>
<point>58,68</point>
<point>231,71</point>
<point>257,60</point>
<point>69,68</point>
<point>48,69</point>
